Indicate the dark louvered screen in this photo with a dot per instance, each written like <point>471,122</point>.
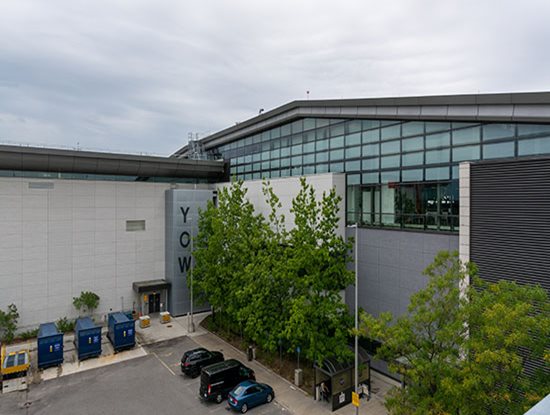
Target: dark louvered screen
<point>510,222</point>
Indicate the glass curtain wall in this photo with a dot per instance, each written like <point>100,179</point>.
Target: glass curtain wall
<point>399,173</point>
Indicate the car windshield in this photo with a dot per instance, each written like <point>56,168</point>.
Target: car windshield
<point>239,390</point>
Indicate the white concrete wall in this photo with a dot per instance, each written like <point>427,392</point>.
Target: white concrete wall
<point>55,243</point>
<point>287,188</point>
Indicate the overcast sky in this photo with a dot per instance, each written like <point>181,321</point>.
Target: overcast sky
<point>138,76</point>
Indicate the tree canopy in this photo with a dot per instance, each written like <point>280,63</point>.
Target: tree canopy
<point>465,349</point>
<point>280,286</point>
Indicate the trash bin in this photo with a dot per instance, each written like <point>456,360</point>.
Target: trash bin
<point>250,353</point>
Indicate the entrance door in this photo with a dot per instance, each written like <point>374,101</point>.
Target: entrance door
<point>154,303</point>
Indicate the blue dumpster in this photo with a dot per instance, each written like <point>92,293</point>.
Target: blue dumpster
<point>87,338</point>
<point>50,346</point>
<point>121,331</point>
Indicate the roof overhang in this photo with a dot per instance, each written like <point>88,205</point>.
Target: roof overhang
<point>151,285</point>
<point>528,107</point>
<point>74,161</point>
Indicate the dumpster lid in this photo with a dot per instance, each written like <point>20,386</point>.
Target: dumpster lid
<point>47,329</point>
<point>151,285</point>
<point>85,323</point>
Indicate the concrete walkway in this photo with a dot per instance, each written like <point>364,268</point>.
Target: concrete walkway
<point>294,399</point>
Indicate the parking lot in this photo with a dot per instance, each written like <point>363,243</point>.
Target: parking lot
<point>152,384</point>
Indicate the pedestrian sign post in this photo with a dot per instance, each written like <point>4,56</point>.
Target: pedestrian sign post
<point>355,399</point>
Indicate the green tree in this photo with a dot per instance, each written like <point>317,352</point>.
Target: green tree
<point>319,319</point>
<point>8,323</point>
<point>87,302</point>
<point>464,352</point>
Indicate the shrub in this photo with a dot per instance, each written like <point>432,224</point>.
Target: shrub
<point>65,325</point>
<point>29,334</point>
<point>87,301</point>
<point>8,323</point>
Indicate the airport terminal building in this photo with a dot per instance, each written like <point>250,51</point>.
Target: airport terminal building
<point>417,174</point>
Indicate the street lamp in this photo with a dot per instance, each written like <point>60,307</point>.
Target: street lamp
<point>356,226</point>
<point>191,326</point>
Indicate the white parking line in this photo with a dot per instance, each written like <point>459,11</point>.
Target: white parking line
<point>164,364</point>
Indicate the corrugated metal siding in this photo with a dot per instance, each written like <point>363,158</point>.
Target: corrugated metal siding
<point>510,222</point>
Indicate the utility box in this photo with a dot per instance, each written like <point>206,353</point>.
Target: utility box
<point>144,321</point>
<point>165,317</point>
<point>87,338</point>
<point>298,377</point>
<point>50,346</point>
<point>121,333</point>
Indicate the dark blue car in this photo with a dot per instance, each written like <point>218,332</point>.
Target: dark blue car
<point>248,394</point>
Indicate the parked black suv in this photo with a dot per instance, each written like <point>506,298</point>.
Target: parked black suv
<point>194,360</point>
<point>217,380</point>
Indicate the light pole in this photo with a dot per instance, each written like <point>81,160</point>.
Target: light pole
<point>191,328</point>
<point>356,226</point>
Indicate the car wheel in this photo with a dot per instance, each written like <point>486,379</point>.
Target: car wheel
<point>244,408</point>
<point>269,397</point>
<point>219,398</point>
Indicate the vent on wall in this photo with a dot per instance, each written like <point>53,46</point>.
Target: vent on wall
<point>40,185</point>
<point>135,225</point>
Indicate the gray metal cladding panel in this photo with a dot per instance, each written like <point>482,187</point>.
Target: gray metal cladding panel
<point>510,220</point>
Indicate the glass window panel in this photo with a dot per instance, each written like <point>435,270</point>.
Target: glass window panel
<point>457,124</point>
<point>296,160</point>
<point>309,123</point>
<point>354,179</point>
<point>433,126</point>
<point>466,136</point>
<point>369,124</point>
<point>248,176</point>
<point>247,168</point>
<point>256,138</point>
<point>295,150</point>
<point>390,147</point>
<point>309,147</point>
<point>438,140</point>
<point>265,136</point>
<point>266,146</point>
<point>285,130</point>
<point>285,172</point>
<point>322,122</point>
<point>275,164</point>
<point>371,136</point>
<point>336,167</point>
<point>389,161</point>
<point>466,153</point>
<point>412,144</point>
<point>275,173</point>
<point>412,175</point>
<point>321,157</point>
<point>371,150</point>
<point>388,204</point>
<point>265,165</point>
<point>297,126</point>
<point>309,169</point>
<point>438,156</point>
<point>491,151</point>
<point>275,144</point>
<point>309,159</point>
<point>353,139</point>
<point>354,126</point>
<point>285,162</point>
<point>413,159</point>
<point>248,158</point>
<point>308,137</point>
<point>256,166</point>
<point>321,145</point>
<point>496,131</point>
<point>353,152</point>
<point>321,168</point>
<point>276,132</point>
<point>336,155</point>
<point>297,171</point>
<point>353,165</point>
<point>413,128</point>
<point>256,157</point>
<point>322,133</point>
<point>265,155</point>
<point>338,129</point>
<point>296,139</point>
<point>534,146</point>
<point>337,142</point>
<point>275,153</point>
<point>393,131</point>
<point>285,151</point>
<point>389,176</point>
<point>437,173</point>
<point>454,171</point>
<point>371,164</point>
<point>527,129</point>
<point>369,178</point>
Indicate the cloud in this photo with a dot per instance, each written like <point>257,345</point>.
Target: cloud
<point>138,76</point>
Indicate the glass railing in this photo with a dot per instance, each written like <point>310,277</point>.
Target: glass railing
<point>430,221</point>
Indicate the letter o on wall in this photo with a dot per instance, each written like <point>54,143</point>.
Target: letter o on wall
<point>185,239</point>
